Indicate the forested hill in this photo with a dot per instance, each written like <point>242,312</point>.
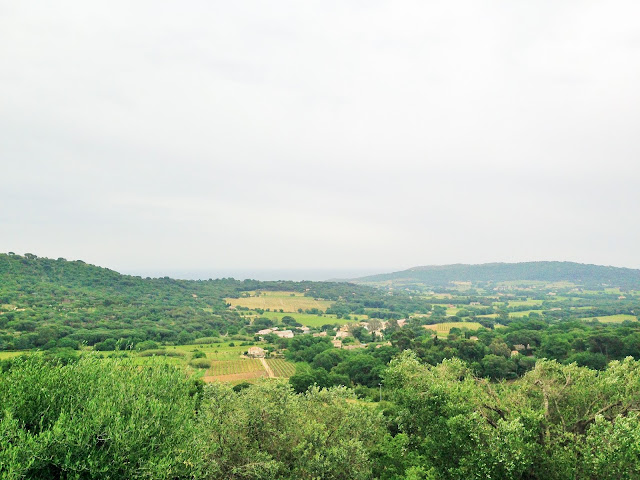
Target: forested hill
<point>47,302</point>
<point>578,273</point>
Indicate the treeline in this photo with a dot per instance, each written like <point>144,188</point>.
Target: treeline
<point>109,418</point>
<point>497,354</point>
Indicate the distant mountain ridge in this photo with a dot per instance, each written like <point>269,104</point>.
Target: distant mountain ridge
<point>578,273</point>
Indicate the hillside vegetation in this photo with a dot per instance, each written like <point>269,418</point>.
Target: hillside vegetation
<point>478,380</point>
<point>577,273</point>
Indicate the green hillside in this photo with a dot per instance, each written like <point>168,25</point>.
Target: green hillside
<point>577,273</point>
<point>47,303</point>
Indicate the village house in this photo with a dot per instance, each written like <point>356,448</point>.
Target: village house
<point>256,352</point>
<point>284,333</point>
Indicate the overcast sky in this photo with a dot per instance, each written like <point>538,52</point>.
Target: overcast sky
<point>352,135</point>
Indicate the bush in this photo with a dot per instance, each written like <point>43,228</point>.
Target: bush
<point>147,345</point>
<point>200,363</point>
<point>98,419</point>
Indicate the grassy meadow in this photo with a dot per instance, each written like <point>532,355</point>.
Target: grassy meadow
<point>615,318</point>
<point>442,329</point>
<point>288,302</point>
<point>226,362</point>
<point>309,320</point>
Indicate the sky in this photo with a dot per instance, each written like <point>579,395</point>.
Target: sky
<point>352,136</point>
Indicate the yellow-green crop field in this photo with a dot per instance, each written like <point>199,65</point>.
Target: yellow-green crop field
<point>444,328</point>
<point>523,313</point>
<point>615,318</point>
<point>281,367</point>
<point>5,355</point>
<point>311,321</point>
<point>288,302</point>
<point>227,363</point>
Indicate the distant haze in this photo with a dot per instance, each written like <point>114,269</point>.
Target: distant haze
<point>255,274</point>
<point>320,135</point>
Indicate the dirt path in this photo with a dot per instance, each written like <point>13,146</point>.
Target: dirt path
<point>267,368</point>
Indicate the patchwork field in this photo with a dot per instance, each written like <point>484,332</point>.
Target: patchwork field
<point>523,313</point>
<point>615,318</point>
<point>312,321</point>
<point>227,363</point>
<point>234,371</point>
<point>444,328</point>
<point>289,302</point>
<point>281,367</point>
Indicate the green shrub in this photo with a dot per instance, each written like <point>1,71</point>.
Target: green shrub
<point>200,363</point>
<point>97,419</point>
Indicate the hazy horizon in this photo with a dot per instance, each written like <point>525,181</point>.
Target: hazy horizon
<point>274,274</point>
<point>255,136</point>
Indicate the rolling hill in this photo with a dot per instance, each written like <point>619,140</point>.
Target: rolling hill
<point>577,273</point>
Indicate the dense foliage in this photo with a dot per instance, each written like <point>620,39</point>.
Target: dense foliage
<point>108,419</point>
<point>46,303</point>
<point>531,382</point>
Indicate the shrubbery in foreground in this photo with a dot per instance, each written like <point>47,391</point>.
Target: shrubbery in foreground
<point>92,418</point>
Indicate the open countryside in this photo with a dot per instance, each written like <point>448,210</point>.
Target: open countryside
<point>356,371</point>
<point>276,301</point>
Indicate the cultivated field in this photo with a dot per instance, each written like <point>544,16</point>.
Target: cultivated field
<point>5,355</point>
<point>615,318</point>
<point>235,371</point>
<point>524,313</point>
<point>444,328</point>
<point>281,367</point>
<point>276,301</point>
<point>312,321</point>
<point>229,365</point>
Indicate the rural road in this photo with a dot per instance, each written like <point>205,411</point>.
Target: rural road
<point>267,368</point>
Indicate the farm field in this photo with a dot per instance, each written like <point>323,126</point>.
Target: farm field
<point>444,328</point>
<point>228,364</point>
<point>522,303</point>
<point>281,367</point>
<point>524,313</point>
<point>5,355</point>
<point>615,318</point>
<point>235,371</point>
<point>215,351</point>
<point>309,320</point>
<point>289,302</point>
